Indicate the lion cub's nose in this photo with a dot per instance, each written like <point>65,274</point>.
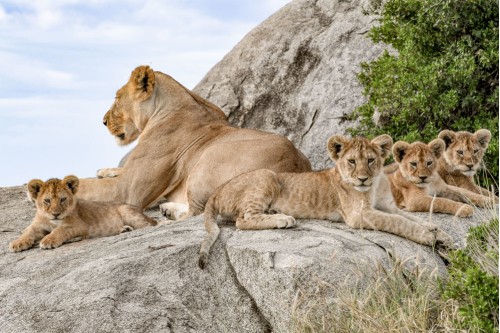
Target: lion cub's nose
<point>470,166</point>
<point>423,177</point>
<point>56,215</point>
<point>362,179</point>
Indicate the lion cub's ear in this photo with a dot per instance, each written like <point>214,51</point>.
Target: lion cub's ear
<point>34,188</point>
<point>399,150</point>
<point>335,145</point>
<point>384,142</point>
<point>483,137</point>
<point>71,182</point>
<point>447,136</point>
<point>437,147</point>
<point>142,81</point>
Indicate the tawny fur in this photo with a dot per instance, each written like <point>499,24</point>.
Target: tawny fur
<point>186,147</point>
<point>355,191</point>
<point>416,182</point>
<point>462,158</point>
<point>61,217</point>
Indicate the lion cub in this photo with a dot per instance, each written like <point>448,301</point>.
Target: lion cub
<point>61,217</point>
<point>416,181</point>
<point>462,158</point>
<point>355,191</point>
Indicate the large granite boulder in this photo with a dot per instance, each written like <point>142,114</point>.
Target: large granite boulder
<point>295,74</point>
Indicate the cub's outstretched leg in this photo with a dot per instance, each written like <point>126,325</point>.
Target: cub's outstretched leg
<point>28,238</point>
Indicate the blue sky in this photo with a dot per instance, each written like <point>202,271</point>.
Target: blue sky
<point>61,62</point>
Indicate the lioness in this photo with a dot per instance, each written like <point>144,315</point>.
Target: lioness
<point>355,191</point>
<point>462,158</point>
<point>186,147</point>
<point>61,217</point>
<point>416,181</point>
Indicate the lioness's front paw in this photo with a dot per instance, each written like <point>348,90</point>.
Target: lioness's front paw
<point>284,221</point>
<point>108,173</point>
<point>50,242</point>
<point>20,244</point>
<point>173,210</point>
<point>465,211</point>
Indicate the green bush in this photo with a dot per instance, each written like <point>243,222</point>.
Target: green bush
<point>444,74</point>
<point>473,280</point>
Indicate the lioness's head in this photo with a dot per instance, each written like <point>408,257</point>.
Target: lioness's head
<point>55,198</point>
<point>123,117</point>
<point>418,161</point>
<point>464,151</point>
<point>359,160</point>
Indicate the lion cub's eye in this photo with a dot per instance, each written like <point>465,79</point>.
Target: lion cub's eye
<point>429,163</point>
<point>476,151</point>
<point>371,160</point>
<point>46,201</point>
<point>352,162</point>
<point>460,152</point>
<point>63,200</point>
<point>413,164</point>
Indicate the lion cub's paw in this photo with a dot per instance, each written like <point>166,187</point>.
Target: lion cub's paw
<point>126,228</point>
<point>443,240</point>
<point>50,242</point>
<point>20,245</point>
<point>465,211</point>
<point>284,221</point>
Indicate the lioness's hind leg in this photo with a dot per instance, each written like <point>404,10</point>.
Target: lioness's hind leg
<point>108,172</point>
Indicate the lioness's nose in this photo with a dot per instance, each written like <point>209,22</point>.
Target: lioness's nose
<point>105,122</point>
<point>362,179</point>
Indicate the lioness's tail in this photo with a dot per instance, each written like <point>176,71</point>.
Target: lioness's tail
<point>212,229</point>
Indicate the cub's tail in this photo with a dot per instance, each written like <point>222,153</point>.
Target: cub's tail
<point>212,229</point>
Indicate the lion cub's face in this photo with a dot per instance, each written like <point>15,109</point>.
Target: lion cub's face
<point>123,114</point>
<point>359,160</point>
<point>418,161</point>
<point>55,198</point>
<point>464,151</point>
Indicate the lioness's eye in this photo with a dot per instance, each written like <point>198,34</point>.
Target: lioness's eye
<point>460,152</point>
<point>413,164</point>
<point>353,162</point>
<point>63,200</point>
<point>46,201</point>
<point>371,160</point>
<point>429,163</point>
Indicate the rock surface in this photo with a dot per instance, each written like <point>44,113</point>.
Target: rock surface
<point>147,280</point>
<point>295,74</point>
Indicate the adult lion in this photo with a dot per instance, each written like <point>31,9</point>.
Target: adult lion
<point>186,147</point>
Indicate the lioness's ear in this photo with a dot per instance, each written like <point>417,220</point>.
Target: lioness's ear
<point>142,81</point>
<point>383,141</point>
<point>399,150</point>
<point>34,188</point>
<point>437,147</point>
<point>335,145</point>
<point>72,183</point>
<point>483,136</point>
<point>447,136</point>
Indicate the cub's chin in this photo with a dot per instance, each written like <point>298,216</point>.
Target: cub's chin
<point>362,188</point>
<point>469,173</point>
